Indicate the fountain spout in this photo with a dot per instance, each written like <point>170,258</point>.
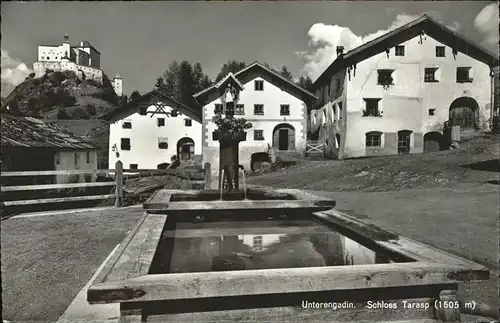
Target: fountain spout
<point>222,178</point>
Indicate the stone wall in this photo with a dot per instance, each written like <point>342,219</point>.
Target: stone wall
<point>83,72</point>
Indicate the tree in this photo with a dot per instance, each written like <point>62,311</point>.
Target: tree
<point>135,96</point>
<point>306,83</point>
<point>181,81</point>
<point>160,83</point>
<point>171,80</point>
<point>230,67</point>
<point>286,73</point>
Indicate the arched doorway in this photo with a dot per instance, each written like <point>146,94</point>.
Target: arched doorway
<point>464,112</point>
<point>404,141</point>
<point>185,148</point>
<point>433,141</point>
<point>284,137</point>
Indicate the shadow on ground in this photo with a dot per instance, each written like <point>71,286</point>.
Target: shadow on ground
<point>492,165</point>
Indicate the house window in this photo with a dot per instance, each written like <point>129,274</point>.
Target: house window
<point>162,143</point>
<point>340,110</point>
<point>125,144</point>
<point>160,122</point>
<point>133,166</point>
<point>76,158</point>
<point>258,135</point>
<point>337,84</point>
<point>174,113</point>
<point>372,108</point>
<point>87,157</point>
<point>284,110</point>
<point>463,75</point>
<point>385,77</point>
<point>58,158</point>
<point>188,122</point>
<point>373,139</point>
<point>399,51</point>
<point>430,75</point>
<point>88,178</point>
<point>218,108</point>
<point>329,87</point>
<point>240,109</point>
<point>259,85</point>
<point>258,109</point>
<point>127,125</point>
<point>432,111</point>
<point>257,242</point>
<point>440,52</point>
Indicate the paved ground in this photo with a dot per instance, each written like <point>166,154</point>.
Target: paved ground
<point>46,260</point>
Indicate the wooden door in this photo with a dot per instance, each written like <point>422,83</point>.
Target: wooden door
<point>283,139</point>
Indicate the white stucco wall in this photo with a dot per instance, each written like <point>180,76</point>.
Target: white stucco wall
<point>67,161</point>
<point>272,97</point>
<point>144,139</point>
<point>53,53</point>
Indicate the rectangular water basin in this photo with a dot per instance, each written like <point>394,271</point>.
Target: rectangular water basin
<point>271,263</point>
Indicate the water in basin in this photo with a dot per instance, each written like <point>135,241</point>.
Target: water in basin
<point>246,245</point>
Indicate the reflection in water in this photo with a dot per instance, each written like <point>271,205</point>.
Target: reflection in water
<point>208,251</point>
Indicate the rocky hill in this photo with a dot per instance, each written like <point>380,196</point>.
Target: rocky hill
<point>62,95</point>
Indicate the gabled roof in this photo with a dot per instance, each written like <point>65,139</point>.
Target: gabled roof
<point>148,100</point>
<point>404,33</point>
<point>26,132</point>
<point>245,75</point>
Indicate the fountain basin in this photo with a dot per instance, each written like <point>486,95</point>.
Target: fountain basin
<point>263,262</point>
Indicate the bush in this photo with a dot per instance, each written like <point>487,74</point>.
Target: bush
<point>91,109</point>
<point>80,113</point>
<point>62,114</point>
<point>57,78</point>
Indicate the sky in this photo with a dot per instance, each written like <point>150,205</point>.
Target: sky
<point>140,39</point>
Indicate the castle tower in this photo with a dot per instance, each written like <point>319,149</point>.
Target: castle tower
<point>118,84</point>
<point>66,47</point>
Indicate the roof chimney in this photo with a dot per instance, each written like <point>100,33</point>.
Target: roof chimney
<point>340,50</point>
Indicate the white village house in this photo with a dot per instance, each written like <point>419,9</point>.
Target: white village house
<point>276,107</point>
<point>147,132</point>
<point>393,94</point>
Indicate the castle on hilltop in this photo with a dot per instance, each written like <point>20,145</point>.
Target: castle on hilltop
<point>83,59</point>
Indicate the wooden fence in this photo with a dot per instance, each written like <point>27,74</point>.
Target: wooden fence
<point>315,147</point>
<point>118,173</point>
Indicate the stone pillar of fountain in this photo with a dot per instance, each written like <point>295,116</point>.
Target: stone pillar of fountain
<point>229,142</point>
